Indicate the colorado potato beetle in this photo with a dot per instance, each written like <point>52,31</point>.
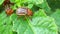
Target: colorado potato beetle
<point>9,11</point>
<point>24,11</point>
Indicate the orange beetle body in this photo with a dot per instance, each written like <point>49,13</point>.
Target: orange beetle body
<point>9,11</point>
<point>24,11</point>
<point>30,13</point>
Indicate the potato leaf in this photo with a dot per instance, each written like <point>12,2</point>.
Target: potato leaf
<point>1,1</point>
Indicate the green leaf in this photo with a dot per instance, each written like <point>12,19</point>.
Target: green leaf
<point>44,6</point>
<point>13,17</point>
<point>1,1</point>
<point>36,2</point>
<point>38,25</point>
<point>56,15</point>
<point>13,1</point>
<point>39,13</point>
<point>5,24</point>
<point>2,17</point>
<point>43,25</point>
<point>30,6</point>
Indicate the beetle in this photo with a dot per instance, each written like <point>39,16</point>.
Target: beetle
<point>9,11</point>
<point>24,11</point>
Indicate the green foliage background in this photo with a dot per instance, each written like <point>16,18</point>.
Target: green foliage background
<point>45,19</point>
